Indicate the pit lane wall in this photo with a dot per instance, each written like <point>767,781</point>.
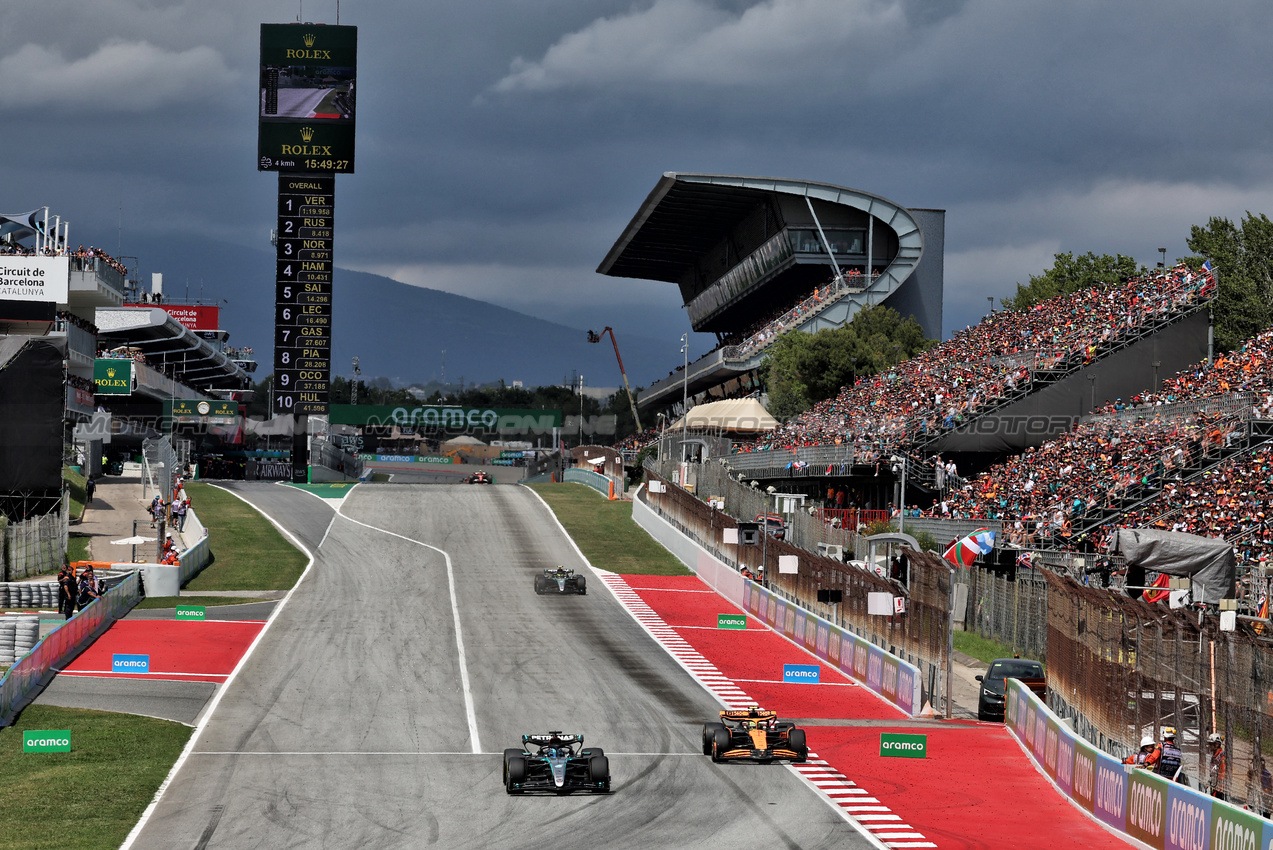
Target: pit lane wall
<point>28,676</point>
<point>896,680</point>
<point>1165,815</point>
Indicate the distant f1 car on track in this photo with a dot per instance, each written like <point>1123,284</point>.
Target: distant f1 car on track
<point>560,580</point>
<point>753,734</point>
<point>479,478</point>
<point>560,764</point>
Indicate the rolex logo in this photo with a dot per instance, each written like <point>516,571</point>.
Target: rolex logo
<point>110,372</point>
<point>307,133</point>
<point>309,39</point>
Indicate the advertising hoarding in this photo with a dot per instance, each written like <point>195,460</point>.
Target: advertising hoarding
<point>46,279</point>
<point>114,376</point>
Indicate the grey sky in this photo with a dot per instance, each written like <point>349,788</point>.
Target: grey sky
<point>504,145</point>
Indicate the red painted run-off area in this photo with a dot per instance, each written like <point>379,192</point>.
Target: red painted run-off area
<point>976,790</point>
<point>186,651</point>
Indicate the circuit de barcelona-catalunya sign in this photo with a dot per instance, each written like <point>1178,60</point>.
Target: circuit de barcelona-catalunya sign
<point>447,418</point>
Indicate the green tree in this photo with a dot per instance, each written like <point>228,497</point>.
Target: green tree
<point>1242,258</point>
<point>804,369</point>
<point>1071,274</point>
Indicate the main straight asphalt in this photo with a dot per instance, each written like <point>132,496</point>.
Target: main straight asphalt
<point>350,725</point>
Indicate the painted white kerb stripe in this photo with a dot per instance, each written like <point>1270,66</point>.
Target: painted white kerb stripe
<point>469,712</point>
<point>216,698</point>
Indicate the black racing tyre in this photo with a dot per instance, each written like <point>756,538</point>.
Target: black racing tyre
<point>599,770</point>
<point>589,752</point>
<point>720,742</point>
<point>539,584</point>
<point>797,740</point>
<point>709,734</point>
<point>510,753</point>
<point>581,584</point>
<point>515,771</point>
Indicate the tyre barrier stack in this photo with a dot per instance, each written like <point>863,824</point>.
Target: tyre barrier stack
<point>28,594</point>
<point>18,634</point>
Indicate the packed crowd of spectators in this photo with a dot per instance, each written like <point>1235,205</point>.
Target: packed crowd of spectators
<point>1141,447</point>
<point>1234,500</point>
<point>80,253</point>
<point>638,441</point>
<point>70,318</point>
<point>947,384</point>
<point>76,382</point>
<point>122,354</point>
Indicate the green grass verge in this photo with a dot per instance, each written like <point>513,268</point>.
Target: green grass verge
<point>247,552</point>
<point>92,796</point>
<point>206,601</point>
<point>982,649</point>
<point>77,547</point>
<point>605,532</point>
<point>75,484</point>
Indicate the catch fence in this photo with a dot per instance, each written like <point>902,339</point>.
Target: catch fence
<point>34,546</point>
<point>920,635</point>
<point>1014,613</point>
<point>1124,669</point>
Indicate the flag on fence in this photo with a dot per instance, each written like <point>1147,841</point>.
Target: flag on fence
<point>1025,561</point>
<point>1206,267</point>
<point>1263,614</point>
<point>1163,581</point>
<point>965,551</point>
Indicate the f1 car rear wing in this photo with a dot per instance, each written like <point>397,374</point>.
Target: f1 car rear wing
<point>553,739</point>
<point>748,714</point>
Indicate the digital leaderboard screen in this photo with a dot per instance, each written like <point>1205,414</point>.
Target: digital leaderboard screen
<point>303,293</point>
<point>307,98</point>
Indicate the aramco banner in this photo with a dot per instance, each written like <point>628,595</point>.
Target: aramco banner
<point>35,278</point>
<point>446,418</point>
<point>114,376</point>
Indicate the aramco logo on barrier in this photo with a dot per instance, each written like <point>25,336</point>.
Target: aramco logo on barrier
<point>900,745</point>
<point>46,741</point>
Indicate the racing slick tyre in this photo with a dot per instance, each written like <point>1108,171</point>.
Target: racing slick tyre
<point>539,585</point>
<point>797,741</point>
<point>720,743</point>
<point>515,773</point>
<point>709,734</point>
<point>591,751</point>
<point>511,753</point>
<point>581,585</point>
<point>599,772</point>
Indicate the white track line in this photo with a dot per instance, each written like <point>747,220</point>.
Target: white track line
<point>216,698</point>
<point>338,503</point>
<point>469,711</point>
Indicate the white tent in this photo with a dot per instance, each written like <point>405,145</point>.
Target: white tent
<point>744,415</point>
<point>461,442</point>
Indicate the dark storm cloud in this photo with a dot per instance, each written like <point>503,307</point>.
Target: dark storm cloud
<point>503,146</point>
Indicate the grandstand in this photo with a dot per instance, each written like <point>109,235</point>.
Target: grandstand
<point>125,362</point>
<point>755,258</point>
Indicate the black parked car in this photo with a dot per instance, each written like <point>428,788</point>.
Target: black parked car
<point>990,699</point>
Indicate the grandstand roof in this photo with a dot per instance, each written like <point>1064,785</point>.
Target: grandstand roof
<point>163,339</point>
<point>686,214</point>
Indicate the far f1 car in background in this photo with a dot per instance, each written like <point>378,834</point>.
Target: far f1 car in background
<point>753,734</point>
<point>479,478</point>
<point>560,580</point>
<point>559,764</point>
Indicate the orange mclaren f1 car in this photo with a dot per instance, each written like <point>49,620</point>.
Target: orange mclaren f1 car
<point>753,734</point>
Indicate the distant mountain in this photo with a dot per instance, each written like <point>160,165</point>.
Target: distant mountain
<point>397,330</point>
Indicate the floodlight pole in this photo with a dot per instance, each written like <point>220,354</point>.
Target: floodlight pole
<point>685,394</point>
<point>596,337</point>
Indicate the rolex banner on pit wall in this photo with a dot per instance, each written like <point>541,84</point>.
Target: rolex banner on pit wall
<point>114,376</point>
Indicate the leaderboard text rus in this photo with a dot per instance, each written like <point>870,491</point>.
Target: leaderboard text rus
<point>303,293</point>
